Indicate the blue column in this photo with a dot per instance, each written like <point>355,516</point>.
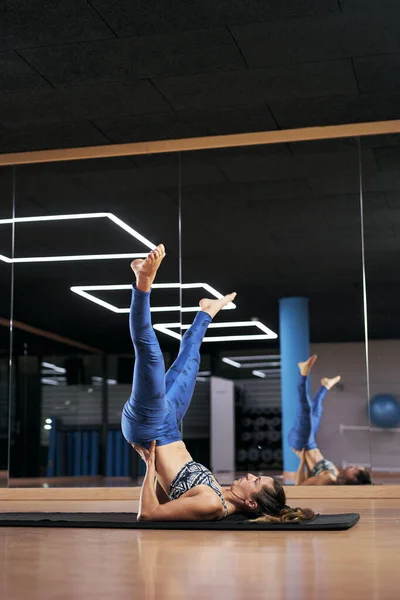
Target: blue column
<point>294,347</point>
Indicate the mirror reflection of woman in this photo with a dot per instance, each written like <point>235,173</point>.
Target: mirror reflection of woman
<point>175,486</point>
<point>314,468</point>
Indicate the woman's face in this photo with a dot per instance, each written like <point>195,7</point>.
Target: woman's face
<point>352,472</point>
<point>245,487</point>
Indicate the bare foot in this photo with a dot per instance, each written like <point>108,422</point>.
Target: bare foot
<point>305,367</point>
<point>145,270</point>
<point>329,383</point>
<point>212,307</point>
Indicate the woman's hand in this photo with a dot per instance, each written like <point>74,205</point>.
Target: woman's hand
<point>149,456</point>
<point>143,453</point>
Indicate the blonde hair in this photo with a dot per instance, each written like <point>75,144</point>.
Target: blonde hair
<point>271,503</point>
<point>287,515</point>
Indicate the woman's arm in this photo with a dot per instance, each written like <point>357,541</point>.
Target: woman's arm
<point>199,507</point>
<point>308,461</point>
<point>148,501</point>
<point>300,476</point>
<point>162,497</point>
<point>324,478</point>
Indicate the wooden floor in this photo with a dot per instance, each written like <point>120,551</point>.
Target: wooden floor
<point>164,565</point>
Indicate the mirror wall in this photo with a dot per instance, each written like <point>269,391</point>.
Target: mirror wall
<point>270,222</point>
<point>6,208</point>
<point>280,225</point>
<point>78,226</point>
<point>381,201</point>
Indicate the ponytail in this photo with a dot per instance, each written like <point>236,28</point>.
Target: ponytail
<point>287,515</point>
<point>272,507</point>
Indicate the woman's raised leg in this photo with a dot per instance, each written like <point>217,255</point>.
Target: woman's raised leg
<point>147,403</point>
<point>317,403</point>
<point>180,379</point>
<point>302,434</point>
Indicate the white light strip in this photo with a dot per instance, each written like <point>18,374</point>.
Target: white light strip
<point>46,381</point>
<point>117,221</point>
<point>267,335</point>
<point>164,328</point>
<point>76,257</point>
<point>125,286</point>
<point>157,309</point>
<point>256,365</point>
<point>270,371</point>
<point>233,363</point>
<point>82,290</point>
<point>54,218</point>
<point>131,231</point>
<point>257,357</point>
<point>54,368</point>
<point>245,364</point>
<point>237,338</point>
<point>259,374</point>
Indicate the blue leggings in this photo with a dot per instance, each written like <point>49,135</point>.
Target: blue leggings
<point>308,419</point>
<point>159,400</point>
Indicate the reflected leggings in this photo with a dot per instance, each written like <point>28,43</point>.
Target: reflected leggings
<point>159,400</point>
<point>308,418</point>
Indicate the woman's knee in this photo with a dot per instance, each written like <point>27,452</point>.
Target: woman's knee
<point>149,349</point>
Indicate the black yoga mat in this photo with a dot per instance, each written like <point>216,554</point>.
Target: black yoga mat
<point>128,521</point>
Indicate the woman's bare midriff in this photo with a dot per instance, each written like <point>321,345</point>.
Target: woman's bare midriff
<point>169,461</point>
<point>313,457</point>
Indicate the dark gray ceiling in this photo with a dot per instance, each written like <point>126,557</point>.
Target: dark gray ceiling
<point>270,221</point>
<point>80,72</point>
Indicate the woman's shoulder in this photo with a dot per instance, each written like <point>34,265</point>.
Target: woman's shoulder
<point>206,496</point>
<point>203,490</point>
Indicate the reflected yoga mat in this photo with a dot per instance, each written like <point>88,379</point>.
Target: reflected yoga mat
<point>128,521</point>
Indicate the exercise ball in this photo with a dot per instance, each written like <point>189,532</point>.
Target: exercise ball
<point>384,410</point>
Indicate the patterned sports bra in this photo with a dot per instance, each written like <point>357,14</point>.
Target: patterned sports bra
<point>191,475</point>
<point>323,465</point>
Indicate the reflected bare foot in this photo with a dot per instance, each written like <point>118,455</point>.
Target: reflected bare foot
<point>305,367</point>
<point>329,383</point>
